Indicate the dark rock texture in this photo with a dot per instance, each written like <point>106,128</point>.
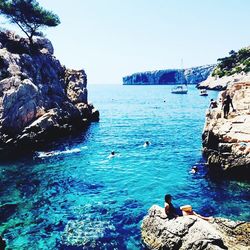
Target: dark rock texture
<point>170,76</point>
<point>191,232</point>
<point>39,98</point>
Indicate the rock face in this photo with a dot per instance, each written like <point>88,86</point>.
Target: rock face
<point>39,98</point>
<point>170,76</point>
<point>191,232</point>
<point>226,142</point>
<point>216,83</point>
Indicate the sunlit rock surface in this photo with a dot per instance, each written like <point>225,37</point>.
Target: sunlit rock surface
<point>39,98</point>
<point>226,142</point>
<point>191,232</point>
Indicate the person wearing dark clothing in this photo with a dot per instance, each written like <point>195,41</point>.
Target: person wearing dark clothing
<point>169,208</point>
<point>213,104</point>
<point>226,105</point>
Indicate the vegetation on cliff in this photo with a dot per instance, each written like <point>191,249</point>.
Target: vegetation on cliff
<point>236,62</point>
<point>28,15</point>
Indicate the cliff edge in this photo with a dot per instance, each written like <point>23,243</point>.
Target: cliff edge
<point>40,99</point>
<point>226,142</point>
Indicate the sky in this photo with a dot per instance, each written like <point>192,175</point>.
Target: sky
<point>110,39</point>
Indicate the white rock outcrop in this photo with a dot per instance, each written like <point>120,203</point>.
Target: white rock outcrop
<point>217,83</point>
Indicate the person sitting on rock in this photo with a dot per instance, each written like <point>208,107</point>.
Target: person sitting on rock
<point>213,104</point>
<point>169,208</point>
<point>187,210</point>
<point>226,105</point>
<point>112,154</point>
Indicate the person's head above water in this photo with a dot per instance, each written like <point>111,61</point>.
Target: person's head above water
<point>147,142</point>
<point>168,198</point>
<point>212,100</point>
<point>113,153</point>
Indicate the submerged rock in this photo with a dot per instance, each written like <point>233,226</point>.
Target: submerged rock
<point>191,232</point>
<point>39,98</point>
<point>226,142</point>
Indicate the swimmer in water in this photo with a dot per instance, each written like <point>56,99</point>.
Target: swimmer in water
<point>146,144</point>
<point>112,154</point>
<point>194,170</point>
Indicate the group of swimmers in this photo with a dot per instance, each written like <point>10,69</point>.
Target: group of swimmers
<point>113,153</point>
<point>186,210</point>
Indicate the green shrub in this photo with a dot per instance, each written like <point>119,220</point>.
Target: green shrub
<point>233,63</point>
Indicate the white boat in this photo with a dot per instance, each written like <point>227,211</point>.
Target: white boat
<point>203,92</point>
<point>179,90</point>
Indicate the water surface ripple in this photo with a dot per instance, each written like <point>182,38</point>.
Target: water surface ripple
<point>79,196</point>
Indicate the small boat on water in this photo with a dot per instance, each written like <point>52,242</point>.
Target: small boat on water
<point>179,90</point>
<point>203,92</point>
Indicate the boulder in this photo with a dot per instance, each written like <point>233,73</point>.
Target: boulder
<point>191,232</point>
<point>39,97</point>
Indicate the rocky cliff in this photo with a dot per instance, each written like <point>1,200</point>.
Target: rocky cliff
<point>40,99</point>
<point>191,232</point>
<point>230,69</point>
<point>226,142</point>
<point>170,76</point>
<point>221,83</point>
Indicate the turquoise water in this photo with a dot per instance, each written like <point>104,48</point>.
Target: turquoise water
<point>100,202</point>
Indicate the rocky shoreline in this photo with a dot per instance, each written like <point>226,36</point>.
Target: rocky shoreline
<point>191,232</point>
<point>40,99</point>
<point>217,83</point>
<point>226,142</point>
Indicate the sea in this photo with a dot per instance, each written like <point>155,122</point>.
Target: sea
<point>72,195</point>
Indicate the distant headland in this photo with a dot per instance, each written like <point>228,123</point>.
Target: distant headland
<point>193,75</point>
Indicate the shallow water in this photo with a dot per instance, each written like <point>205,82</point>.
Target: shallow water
<point>73,184</point>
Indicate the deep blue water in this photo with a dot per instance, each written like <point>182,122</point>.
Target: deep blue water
<point>78,186</point>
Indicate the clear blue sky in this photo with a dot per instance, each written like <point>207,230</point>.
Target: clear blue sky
<point>114,38</point>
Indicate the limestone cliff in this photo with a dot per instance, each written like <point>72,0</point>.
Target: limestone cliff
<point>39,98</point>
<point>170,76</point>
<point>226,142</point>
<point>230,69</point>
<point>221,83</point>
<point>191,232</point>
